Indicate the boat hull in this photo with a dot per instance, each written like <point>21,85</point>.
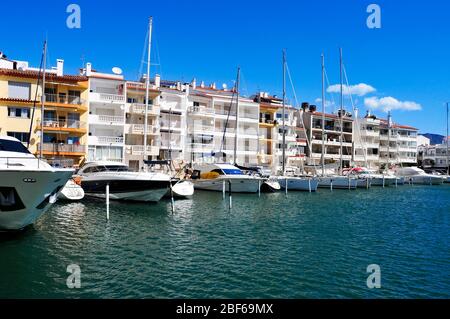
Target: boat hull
<point>238,185</point>
<point>182,189</point>
<point>26,195</point>
<point>338,182</point>
<point>387,181</point>
<point>71,192</point>
<point>270,186</point>
<point>299,184</point>
<point>127,190</point>
<point>424,180</point>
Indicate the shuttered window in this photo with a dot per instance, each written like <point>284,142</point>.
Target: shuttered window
<point>19,90</point>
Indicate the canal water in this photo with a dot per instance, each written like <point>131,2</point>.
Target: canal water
<point>300,246</point>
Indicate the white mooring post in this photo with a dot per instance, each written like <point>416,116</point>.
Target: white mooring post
<point>259,188</point>
<point>367,183</point>
<point>230,195</point>
<point>107,201</point>
<point>286,188</point>
<point>383,181</point>
<point>309,185</point>
<point>223,190</point>
<point>171,198</point>
<point>396,182</point>
<point>331,184</point>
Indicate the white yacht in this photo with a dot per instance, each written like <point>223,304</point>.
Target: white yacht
<point>71,191</point>
<point>338,182</point>
<point>123,183</point>
<point>415,175</point>
<point>28,186</point>
<point>295,182</point>
<point>216,177</point>
<point>371,175</point>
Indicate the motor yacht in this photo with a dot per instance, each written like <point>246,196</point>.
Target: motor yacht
<point>28,185</point>
<point>123,184</point>
<point>375,178</point>
<point>217,177</point>
<point>415,175</point>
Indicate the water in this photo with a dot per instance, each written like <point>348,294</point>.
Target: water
<point>303,246</point>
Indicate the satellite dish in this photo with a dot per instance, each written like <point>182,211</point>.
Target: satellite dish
<point>117,70</point>
<point>224,86</point>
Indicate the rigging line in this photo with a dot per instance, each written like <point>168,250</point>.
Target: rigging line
<point>141,67</point>
<point>35,99</point>
<point>330,94</point>
<point>358,129</point>
<point>228,116</point>
<point>158,57</point>
<point>245,84</point>
<point>308,142</point>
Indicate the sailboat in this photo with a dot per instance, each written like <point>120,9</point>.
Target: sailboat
<point>288,179</point>
<point>226,176</point>
<point>334,181</point>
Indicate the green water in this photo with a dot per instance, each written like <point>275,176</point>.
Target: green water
<point>300,246</point>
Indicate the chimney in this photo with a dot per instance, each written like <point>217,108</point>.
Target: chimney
<point>157,80</point>
<point>59,67</point>
<point>178,85</point>
<point>202,85</point>
<point>194,83</point>
<point>356,113</point>
<point>88,69</point>
<point>213,86</point>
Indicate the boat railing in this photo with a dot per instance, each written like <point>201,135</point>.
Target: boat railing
<point>11,162</point>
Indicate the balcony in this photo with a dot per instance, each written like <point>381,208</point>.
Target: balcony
<point>105,140</point>
<point>192,128</point>
<point>106,119</point>
<point>68,126</point>
<point>174,144</point>
<point>139,108</point>
<point>108,98</point>
<point>173,125</point>
<point>201,110</point>
<point>200,148</point>
<point>139,129</point>
<point>63,99</point>
<point>57,148</point>
<point>139,150</point>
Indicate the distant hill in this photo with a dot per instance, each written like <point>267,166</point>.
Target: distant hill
<point>434,138</point>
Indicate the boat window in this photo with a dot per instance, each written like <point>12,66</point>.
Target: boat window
<point>232,172</point>
<point>112,168</point>
<point>13,146</point>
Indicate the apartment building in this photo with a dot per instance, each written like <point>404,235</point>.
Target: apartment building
<point>173,120</point>
<point>64,122</point>
<point>366,134</point>
<point>434,156</point>
<point>107,105</point>
<point>270,151</point>
<point>135,123</point>
<point>331,138</point>
<point>212,121</point>
<point>400,146</point>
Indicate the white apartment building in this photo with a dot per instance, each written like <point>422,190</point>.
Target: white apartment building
<point>434,156</point>
<point>211,121</point>
<point>135,123</point>
<point>107,92</point>
<point>366,135</point>
<point>400,148</point>
<point>332,138</point>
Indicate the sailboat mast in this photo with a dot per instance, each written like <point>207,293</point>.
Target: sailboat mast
<point>236,127</point>
<point>341,115</point>
<point>284,114</point>
<point>389,141</point>
<point>447,140</point>
<point>44,65</point>
<point>323,115</point>
<point>147,85</point>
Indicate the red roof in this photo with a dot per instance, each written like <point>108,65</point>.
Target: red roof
<point>49,76</point>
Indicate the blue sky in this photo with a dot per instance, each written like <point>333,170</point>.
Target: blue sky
<point>407,59</point>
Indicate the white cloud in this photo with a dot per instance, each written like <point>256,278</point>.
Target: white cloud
<point>360,89</point>
<point>328,103</point>
<point>389,104</point>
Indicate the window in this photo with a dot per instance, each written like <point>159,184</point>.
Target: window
<point>19,112</point>
<point>19,90</point>
<point>13,146</point>
<point>21,136</point>
<point>131,100</point>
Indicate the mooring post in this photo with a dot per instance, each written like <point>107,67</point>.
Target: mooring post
<point>383,181</point>
<point>259,188</point>
<point>309,184</point>
<point>223,190</point>
<point>107,201</point>
<point>171,198</point>
<point>331,184</point>
<point>286,188</point>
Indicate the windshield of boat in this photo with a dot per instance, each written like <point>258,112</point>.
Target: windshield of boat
<point>228,171</point>
<point>106,168</point>
<point>13,146</point>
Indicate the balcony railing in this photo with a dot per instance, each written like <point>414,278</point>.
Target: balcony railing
<point>63,99</point>
<point>201,110</point>
<point>68,124</point>
<point>105,97</point>
<point>108,140</point>
<point>139,150</point>
<point>139,108</point>
<point>174,125</point>
<point>106,119</point>
<point>62,148</point>
<point>139,129</point>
